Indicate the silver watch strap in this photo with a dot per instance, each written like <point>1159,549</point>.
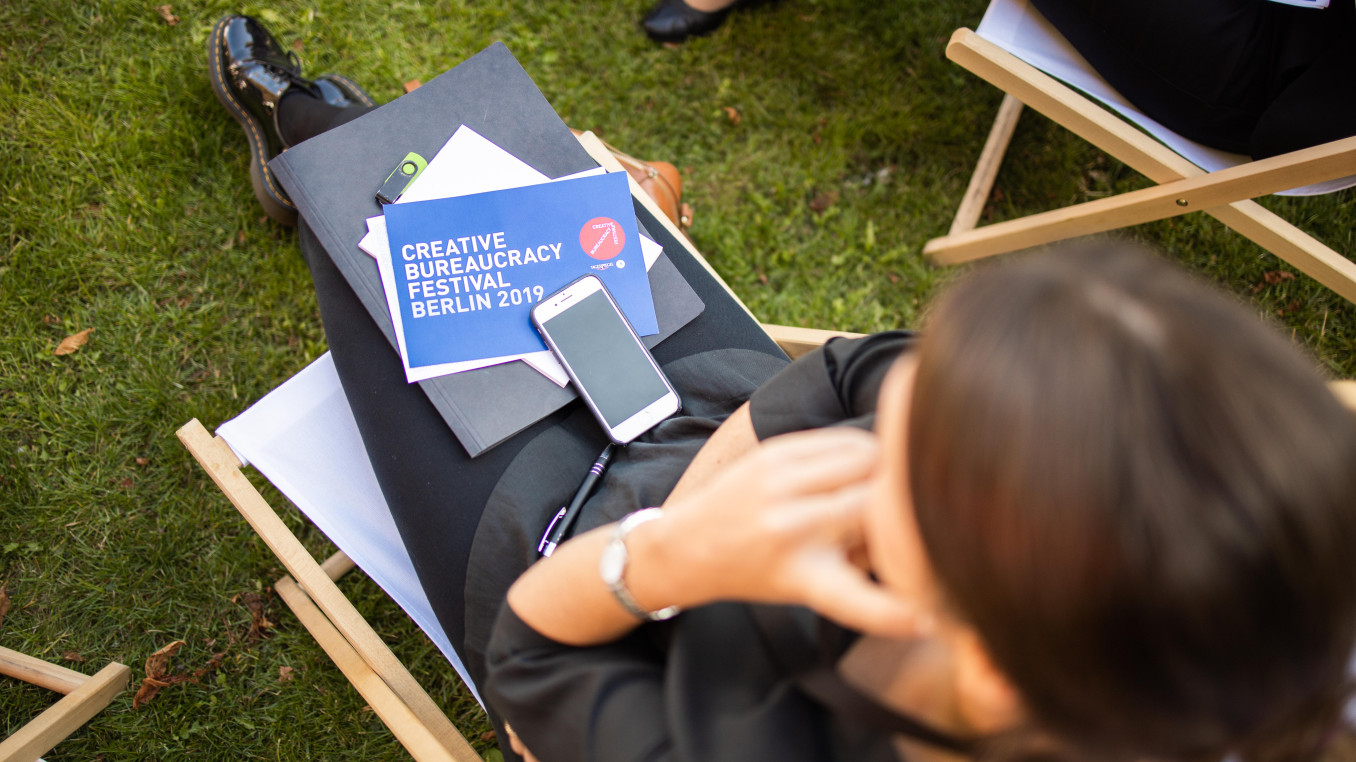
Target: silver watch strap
<point>615,560</point>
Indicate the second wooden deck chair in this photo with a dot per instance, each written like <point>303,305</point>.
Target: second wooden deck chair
<point>1017,50</point>
<point>303,439</point>
<point>83,696</point>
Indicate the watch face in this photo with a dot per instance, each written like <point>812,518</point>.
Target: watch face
<point>612,563</point>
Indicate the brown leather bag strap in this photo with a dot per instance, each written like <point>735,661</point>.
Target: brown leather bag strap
<point>660,179</point>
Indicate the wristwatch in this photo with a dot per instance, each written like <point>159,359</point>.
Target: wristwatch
<point>612,567</point>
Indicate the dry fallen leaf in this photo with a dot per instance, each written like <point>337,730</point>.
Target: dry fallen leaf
<point>72,656</point>
<point>211,664</point>
<point>51,319</point>
<point>167,14</point>
<point>820,203</point>
<point>733,114</point>
<point>257,603</point>
<point>4,603</point>
<point>157,670</point>
<point>157,673</point>
<point>157,664</point>
<point>285,674</point>
<point>143,461</point>
<point>72,342</point>
<point>1273,278</point>
<point>412,85</point>
<point>146,692</point>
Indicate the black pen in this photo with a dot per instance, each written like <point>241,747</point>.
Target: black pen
<point>565,517</point>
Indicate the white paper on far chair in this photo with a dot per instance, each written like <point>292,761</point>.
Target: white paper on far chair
<point>1020,29</point>
<point>302,437</point>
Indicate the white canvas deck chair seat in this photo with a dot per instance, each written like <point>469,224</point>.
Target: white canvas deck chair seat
<point>1018,51</point>
<point>303,439</point>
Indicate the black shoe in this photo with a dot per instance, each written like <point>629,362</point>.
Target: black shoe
<point>250,73</point>
<point>675,21</point>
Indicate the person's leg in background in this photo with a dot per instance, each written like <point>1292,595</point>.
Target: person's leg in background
<point>1312,104</point>
<point>677,20</point>
<point>1210,70</point>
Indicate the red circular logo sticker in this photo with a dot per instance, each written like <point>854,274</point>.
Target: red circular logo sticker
<point>602,238</point>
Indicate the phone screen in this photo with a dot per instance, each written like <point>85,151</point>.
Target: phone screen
<point>608,363</point>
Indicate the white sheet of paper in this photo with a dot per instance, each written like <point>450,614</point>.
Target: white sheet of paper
<point>1016,27</point>
<point>302,437</point>
<point>466,164</point>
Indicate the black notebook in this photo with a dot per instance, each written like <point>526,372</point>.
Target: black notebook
<point>332,179</point>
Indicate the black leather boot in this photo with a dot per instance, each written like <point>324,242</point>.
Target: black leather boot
<point>250,73</point>
<point>675,20</point>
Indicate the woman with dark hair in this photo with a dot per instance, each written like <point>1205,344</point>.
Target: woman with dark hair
<point>1105,515</point>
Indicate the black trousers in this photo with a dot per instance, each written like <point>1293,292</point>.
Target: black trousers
<point>1249,76</point>
<point>436,492</point>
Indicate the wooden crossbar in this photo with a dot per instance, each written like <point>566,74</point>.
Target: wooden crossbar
<point>43,674</point>
<point>1329,161</point>
<point>84,697</point>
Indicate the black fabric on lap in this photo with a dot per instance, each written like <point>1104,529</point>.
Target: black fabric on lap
<point>435,491</point>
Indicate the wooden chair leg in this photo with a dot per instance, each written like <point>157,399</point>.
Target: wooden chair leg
<point>1296,247</point>
<point>85,696</point>
<point>986,169</point>
<point>797,341</point>
<point>1346,392</point>
<point>216,457</point>
<point>1201,192</point>
<point>408,728</point>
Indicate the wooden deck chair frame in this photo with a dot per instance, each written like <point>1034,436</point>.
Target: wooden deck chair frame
<point>309,588</point>
<point>1182,186</point>
<point>83,697</point>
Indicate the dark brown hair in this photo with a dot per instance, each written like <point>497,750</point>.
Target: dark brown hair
<point>1142,498</point>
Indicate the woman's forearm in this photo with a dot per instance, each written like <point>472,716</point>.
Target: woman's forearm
<point>564,597</point>
<point>778,525</point>
<point>733,438</point>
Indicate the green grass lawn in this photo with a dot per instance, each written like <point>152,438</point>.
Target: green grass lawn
<point>127,209</point>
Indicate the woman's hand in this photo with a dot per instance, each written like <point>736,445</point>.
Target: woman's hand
<point>518,746</point>
<point>782,524</point>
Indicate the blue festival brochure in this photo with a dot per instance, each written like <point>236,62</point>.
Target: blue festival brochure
<point>469,269</point>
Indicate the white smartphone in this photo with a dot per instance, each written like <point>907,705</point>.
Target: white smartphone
<point>610,367</point>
